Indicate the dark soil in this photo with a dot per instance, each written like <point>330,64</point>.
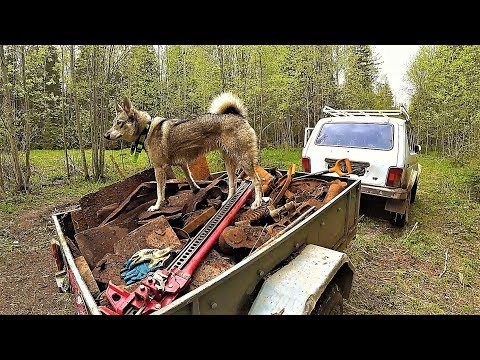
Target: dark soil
<point>27,267</point>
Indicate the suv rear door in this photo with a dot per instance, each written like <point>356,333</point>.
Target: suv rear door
<point>359,139</point>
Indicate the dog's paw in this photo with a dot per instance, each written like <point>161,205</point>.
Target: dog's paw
<point>153,208</point>
<point>256,204</point>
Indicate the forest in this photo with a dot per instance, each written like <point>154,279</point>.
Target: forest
<point>64,97</point>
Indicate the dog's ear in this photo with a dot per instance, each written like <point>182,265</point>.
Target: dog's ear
<point>119,108</point>
<point>127,105</point>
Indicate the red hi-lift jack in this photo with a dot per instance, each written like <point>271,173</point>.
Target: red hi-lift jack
<point>160,288</point>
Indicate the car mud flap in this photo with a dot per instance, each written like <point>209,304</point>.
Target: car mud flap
<point>397,206</point>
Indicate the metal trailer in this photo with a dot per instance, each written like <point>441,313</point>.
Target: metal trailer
<point>303,271</point>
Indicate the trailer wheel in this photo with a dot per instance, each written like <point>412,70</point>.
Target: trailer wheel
<point>331,301</point>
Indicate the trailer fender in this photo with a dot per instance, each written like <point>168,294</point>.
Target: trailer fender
<point>296,288</point>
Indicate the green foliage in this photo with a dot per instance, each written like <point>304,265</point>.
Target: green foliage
<point>445,84</point>
<point>360,74</point>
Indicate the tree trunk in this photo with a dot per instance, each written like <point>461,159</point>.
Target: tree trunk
<point>93,113</point>
<point>28,170</point>
<point>64,126</point>
<point>220,64</point>
<point>10,123</point>
<point>77,114</point>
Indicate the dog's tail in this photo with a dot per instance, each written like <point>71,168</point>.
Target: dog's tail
<point>227,103</point>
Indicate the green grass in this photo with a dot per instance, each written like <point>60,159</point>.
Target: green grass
<point>398,270</point>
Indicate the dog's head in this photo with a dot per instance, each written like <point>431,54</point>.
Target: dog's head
<point>125,125</point>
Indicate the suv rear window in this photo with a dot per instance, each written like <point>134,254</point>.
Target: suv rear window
<point>363,135</point>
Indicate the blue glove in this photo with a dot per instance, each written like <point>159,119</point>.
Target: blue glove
<point>143,262</point>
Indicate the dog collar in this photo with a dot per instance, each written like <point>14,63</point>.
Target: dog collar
<point>137,146</point>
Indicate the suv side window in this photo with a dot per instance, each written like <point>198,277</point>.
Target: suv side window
<point>410,139</point>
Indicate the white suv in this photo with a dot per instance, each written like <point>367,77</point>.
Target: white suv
<point>381,148</point>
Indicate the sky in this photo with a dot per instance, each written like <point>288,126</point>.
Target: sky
<point>395,60</point>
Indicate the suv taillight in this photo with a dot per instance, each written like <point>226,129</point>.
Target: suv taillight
<point>394,177</point>
<point>306,164</point>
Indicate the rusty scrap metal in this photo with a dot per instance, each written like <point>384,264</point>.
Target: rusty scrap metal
<point>253,215</point>
<point>276,230</point>
<point>234,237</point>
<point>299,210</point>
<point>85,217</point>
<point>155,234</point>
<point>124,203</point>
<point>108,269</point>
<point>170,218</point>
<point>72,246</point>
<point>167,211</point>
<point>336,187</point>
<point>180,198</point>
<point>96,242</point>
<point>202,194</point>
<point>276,213</point>
<point>308,185</point>
<point>106,210</point>
<point>216,203</point>
<point>278,197</point>
<point>195,222</point>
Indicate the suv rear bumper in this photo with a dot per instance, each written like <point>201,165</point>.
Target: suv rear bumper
<point>398,194</point>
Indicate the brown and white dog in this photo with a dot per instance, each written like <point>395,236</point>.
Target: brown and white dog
<point>178,142</point>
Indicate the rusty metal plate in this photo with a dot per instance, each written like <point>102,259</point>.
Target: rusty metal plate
<point>155,234</point>
<point>108,268</point>
<point>210,267</point>
<point>106,210</point>
<point>94,243</point>
<point>180,198</point>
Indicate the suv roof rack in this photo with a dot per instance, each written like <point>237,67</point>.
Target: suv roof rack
<point>385,113</point>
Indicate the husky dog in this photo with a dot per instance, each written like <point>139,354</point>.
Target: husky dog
<point>180,141</point>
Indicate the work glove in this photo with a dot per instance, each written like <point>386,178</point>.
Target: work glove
<point>145,261</point>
